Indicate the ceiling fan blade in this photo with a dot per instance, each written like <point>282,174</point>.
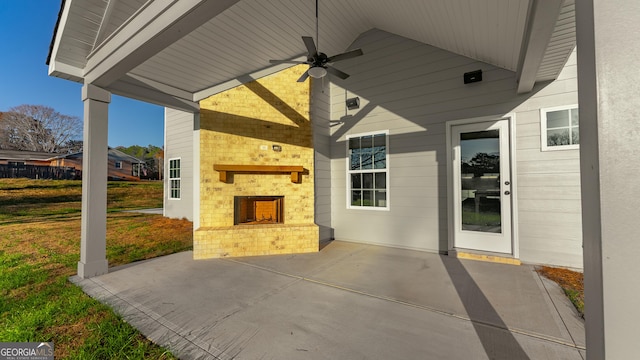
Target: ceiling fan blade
<point>311,45</point>
<point>347,55</point>
<point>304,76</point>
<point>336,72</point>
<point>286,62</point>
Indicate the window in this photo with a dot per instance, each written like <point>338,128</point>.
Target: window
<point>367,171</point>
<point>559,128</point>
<point>118,164</point>
<point>174,178</point>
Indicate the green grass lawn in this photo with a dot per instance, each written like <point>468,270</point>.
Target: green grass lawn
<point>39,250</point>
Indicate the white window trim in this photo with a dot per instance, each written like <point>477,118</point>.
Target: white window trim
<point>169,195</point>
<point>136,169</point>
<point>118,165</point>
<point>543,129</point>
<point>348,173</point>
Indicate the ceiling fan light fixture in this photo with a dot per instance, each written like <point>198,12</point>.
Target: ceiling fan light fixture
<point>317,72</point>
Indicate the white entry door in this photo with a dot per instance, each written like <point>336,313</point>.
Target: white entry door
<point>482,186</point>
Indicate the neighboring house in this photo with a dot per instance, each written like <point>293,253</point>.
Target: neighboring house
<point>120,166</point>
<point>17,163</point>
<point>20,157</point>
<point>33,165</point>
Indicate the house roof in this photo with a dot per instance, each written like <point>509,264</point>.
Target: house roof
<point>113,154</point>
<point>119,155</point>
<point>20,155</point>
<point>177,53</point>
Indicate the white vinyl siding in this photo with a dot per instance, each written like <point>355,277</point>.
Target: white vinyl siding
<point>179,134</point>
<point>413,98</point>
<point>549,206</point>
<point>322,158</point>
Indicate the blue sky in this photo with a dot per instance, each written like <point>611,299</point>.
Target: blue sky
<point>26,28</point>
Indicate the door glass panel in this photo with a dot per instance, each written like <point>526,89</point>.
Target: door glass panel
<point>480,181</point>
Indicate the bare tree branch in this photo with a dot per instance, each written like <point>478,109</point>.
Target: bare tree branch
<point>38,128</point>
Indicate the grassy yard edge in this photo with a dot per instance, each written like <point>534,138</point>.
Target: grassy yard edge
<point>39,252</point>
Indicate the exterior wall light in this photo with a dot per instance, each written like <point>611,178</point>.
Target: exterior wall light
<point>353,103</point>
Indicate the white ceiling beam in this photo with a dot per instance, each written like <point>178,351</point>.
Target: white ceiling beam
<point>154,27</point>
<point>106,18</point>
<point>155,85</point>
<point>149,95</point>
<point>205,93</point>
<point>543,15</point>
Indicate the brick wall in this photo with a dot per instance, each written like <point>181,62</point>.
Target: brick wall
<point>241,127</point>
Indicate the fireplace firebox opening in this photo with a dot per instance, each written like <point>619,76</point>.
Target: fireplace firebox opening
<point>256,210</point>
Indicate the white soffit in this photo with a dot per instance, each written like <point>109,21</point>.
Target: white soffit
<point>562,43</point>
<point>243,38</point>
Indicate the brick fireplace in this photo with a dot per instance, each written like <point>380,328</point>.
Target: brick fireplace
<point>257,170</point>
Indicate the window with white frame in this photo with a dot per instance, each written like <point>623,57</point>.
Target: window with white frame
<point>174,178</point>
<point>560,128</point>
<point>367,171</point>
<point>118,164</point>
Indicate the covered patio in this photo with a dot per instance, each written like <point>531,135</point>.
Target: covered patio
<point>349,301</point>
<point>176,53</point>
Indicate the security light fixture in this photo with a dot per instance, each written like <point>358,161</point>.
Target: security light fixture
<point>353,103</point>
<point>472,76</point>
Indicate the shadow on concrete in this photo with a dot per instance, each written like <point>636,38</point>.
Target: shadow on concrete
<point>498,342</point>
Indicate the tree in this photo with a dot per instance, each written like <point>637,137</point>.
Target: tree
<point>482,163</point>
<point>73,146</point>
<point>39,128</point>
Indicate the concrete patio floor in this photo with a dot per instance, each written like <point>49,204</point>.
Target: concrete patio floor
<point>349,301</point>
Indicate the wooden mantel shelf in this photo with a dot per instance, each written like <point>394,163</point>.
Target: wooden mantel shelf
<point>296,171</point>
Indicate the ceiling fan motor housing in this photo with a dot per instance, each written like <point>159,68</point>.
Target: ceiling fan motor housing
<point>318,59</point>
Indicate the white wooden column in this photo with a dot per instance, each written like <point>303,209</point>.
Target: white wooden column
<point>93,259</point>
<point>609,91</point>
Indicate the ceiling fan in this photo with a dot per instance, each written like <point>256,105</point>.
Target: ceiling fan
<point>319,62</point>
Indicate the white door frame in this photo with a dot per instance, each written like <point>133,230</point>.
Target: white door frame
<point>510,117</point>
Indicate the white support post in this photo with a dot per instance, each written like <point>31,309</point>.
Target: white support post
<point>608,53</point>
<point>93,258</point>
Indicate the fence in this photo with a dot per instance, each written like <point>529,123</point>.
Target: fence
<point>39,172</point>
